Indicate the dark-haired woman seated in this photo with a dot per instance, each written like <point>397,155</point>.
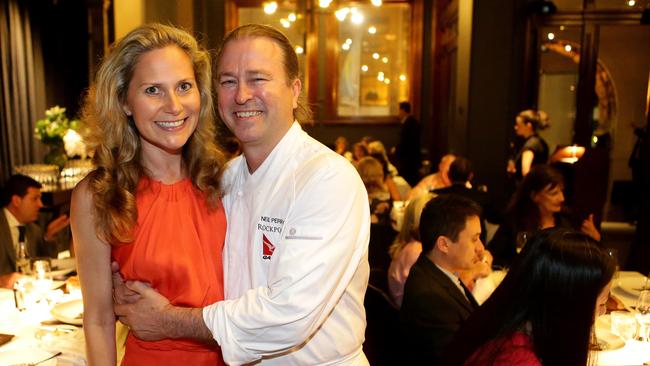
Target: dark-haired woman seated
<point>537,204</point>
<point>544,310</point>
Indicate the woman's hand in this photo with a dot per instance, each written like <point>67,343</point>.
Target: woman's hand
<point>589,228</point>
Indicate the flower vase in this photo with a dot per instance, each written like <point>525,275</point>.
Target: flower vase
<point>56,156</point>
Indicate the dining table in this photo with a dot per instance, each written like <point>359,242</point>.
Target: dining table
<point>33,327</point>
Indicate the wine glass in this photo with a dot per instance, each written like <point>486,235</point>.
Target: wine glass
<point>522,238</point>
<point>643,316</point>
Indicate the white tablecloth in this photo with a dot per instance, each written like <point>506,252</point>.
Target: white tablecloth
<point>25,325</point>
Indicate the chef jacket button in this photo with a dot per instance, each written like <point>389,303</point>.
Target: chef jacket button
<point>292,231</point>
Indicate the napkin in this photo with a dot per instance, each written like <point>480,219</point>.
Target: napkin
<point>4,338</point>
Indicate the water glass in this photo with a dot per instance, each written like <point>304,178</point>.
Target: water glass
<point>623,324</point>
<point>41,269</point>
<point>643,316</point>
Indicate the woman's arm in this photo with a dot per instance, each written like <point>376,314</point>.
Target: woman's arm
<point>93,265</point>
<point>526,161</point>
<point>392,189</point>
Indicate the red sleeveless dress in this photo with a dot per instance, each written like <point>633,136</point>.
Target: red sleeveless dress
<point>177,249</point>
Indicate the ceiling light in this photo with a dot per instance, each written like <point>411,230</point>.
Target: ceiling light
<point>568,48</point>
<point>372,30</point>
<point>384,60</point>
<point>364,68</point>
<point>270,7</point>
<point>285,23</point>
<point>402,77</point>
<point>631,3</point>
<point>324,3</point>
<point>387,81</point>
<point>550,36</point>
<point>342,13</point>
<point>357,18</point>
<point>345,46</point>
<point>348,41</point>
<point>376,2</point>
<point>300,50</point>
<point>292,17</point>
<point>375,56</point>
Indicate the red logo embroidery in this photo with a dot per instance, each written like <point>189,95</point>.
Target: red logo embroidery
<point>267,247</point>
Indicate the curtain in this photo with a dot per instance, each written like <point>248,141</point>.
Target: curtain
<point>22,89</point>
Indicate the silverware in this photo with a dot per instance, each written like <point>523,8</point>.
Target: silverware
<point>39,362</point>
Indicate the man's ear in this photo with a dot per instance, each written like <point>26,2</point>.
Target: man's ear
<point>442,243</point>
<point>296,87</point>
<point>15,200</point>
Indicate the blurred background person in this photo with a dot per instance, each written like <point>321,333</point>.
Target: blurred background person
<point>534,149</point>
<point>407,152</point>
<point>21,202</point>
<point>406,249</point>
<point>440,179</point>
<point>359,151</point>
<point>529,320</point>
<point>372,175</point>
<point>341,147</point>
<point>460,175</point>
<point>537,204</point>
<point>395,184</point>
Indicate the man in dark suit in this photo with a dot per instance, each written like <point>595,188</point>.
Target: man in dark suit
<point>460,174</point>
<point>436,303</point>
<point>21,202</point>
<point>408,151</point>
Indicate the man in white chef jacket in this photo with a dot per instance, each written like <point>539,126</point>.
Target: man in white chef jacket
<point>296,254</point>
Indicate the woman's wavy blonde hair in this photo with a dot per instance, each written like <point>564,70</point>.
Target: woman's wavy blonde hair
<point>113,137</point>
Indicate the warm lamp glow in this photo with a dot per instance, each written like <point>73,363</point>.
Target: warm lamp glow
<point>402,77</point>
<point>550,36</point>
<point>345,46</point>
<point>357,18</point>
<point>372,30</point>
<point>300,50</point>
<point>568,48</point>
<point>384,60</point>
<point>364,68</point>
<point>568,154</point>
<point>270,7</point>
<point>342,13</point>
<point>375,56</point>
<point>387,81</point>
<point>324,3</point>
<point>376,2</point>
<point>292,17</point>
<point>348,41</point>
<point>285,23</point>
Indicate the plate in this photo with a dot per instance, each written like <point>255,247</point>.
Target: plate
<point>61,267</point>
<point>61,272</point>
<point>608,341</point>
<point>632,285</point>
<point>70,312</point>
<point>26,355</point>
